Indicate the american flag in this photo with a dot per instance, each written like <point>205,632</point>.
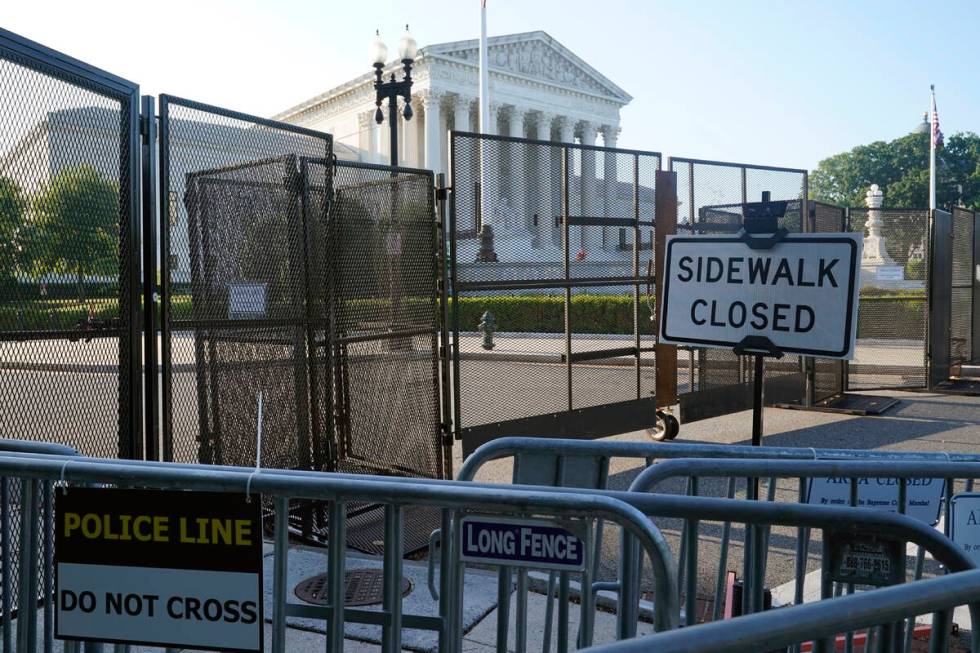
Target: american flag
<point>937,135</point>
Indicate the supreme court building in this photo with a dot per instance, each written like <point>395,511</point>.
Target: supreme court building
<point>538,89</point>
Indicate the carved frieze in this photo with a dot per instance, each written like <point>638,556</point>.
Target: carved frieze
<point>535,59</point>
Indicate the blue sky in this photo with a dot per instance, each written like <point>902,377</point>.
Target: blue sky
<point>779,83</point>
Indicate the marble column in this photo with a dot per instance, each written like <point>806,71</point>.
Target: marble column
<point>384,141</point>
<point>544,205</point>
<point>565,134</point>
<point>461,114</point>
<point>408,148</point>
<point>465,167</point>
<point>431,122</point>
<point>587,185</point>
<point>444,111</point>
<point>515,161</point>
<point>610,134</point>
<point>367,136</point>
<point>418,132</point>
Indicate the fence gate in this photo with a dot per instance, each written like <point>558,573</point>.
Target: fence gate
<point>70,357</point>
<point>310,281</point>
<point>710,195</point>
<point>382,276</point>
<point>551,259</point>
<point>236,311</point>
<point>893,313</point>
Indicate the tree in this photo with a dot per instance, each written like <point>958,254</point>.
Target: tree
<point>901,168</point>
<point>76,226</point>
<point>13,207</point>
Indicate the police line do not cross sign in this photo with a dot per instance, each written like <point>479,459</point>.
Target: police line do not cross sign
<point>801,294</point>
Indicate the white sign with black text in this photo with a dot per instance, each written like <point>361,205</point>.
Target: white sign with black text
<point>964,523</point>
<point>246,300</point>
<point>801,294</point>
<point>923,496</point>
<point>524,542</point>
<point>160,568</point>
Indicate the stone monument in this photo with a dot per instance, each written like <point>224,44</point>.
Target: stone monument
<point>878,268</point>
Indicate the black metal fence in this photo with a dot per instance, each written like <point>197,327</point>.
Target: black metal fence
<point>238,318</point>
<point>828,375</point>
<point>961,291</point>
<point>893,314</point>
<point>70,332</point>
<point>382,278</point>
<point>711,196</point>
<point>551,247</point>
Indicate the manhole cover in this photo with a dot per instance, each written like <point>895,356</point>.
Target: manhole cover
<point>361,587</point>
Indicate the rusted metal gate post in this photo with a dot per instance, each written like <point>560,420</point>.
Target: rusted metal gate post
<point>666,221</point>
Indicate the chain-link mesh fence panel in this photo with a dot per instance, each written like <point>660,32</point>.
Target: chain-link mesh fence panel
<point>68,295</point>
<point>385,348</point>
<point>961,296</point>
<point>551,246</point>
<point>710,198</point>
<point>893,312</point>
<point>237,319</point>
<point>829,374</point>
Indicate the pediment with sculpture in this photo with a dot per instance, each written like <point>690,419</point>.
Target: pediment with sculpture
<point>537,59</point>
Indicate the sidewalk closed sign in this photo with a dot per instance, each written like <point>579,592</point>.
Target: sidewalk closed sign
<point>802,293</point>
<point>180,569</point>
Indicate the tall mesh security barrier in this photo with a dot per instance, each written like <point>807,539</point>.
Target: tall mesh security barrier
<point>69,327</point>
<point>552,243</point>
<point>236,314</point>
<point>382,278</point>
<point>893,313</point>
<point>69,293</point>
<point>961,295</point>
<point>710,196</point>
<point>829,374</point>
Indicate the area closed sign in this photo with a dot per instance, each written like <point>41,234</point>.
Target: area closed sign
<point>181,569</point>
<point>801,294</point>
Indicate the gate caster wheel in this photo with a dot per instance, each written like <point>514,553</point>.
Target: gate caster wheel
<point>667,427</point>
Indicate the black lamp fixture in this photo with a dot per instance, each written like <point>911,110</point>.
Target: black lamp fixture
<point>392,89</point>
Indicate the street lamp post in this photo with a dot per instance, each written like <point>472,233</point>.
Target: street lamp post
<point>390,90</point>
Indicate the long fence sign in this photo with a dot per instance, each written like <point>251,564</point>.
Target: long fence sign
<point>179,569</point>
<point>801,294</point>
<point>522,543</point>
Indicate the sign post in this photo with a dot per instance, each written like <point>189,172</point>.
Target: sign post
<point>762,292</point>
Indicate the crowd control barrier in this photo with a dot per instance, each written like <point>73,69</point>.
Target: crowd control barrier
<point>40,473</point>
<point>586,463</point>
<point>904,474</point>
<point>681,507</point>
<point>23,529</point>
<point>819,622</point>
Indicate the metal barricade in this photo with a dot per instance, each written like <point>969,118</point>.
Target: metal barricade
<point>550,462</point>
<point>339,490</point>
<point>798,625</point>
<point>19,527</point>
<point>757,541</point>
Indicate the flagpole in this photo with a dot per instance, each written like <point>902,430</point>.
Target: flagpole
<point>932,150</point>
<point>484,72</point>
<point>484,117</point>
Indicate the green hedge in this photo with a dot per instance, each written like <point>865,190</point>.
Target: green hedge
<point>895,314</point>
<point>63,314</point>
